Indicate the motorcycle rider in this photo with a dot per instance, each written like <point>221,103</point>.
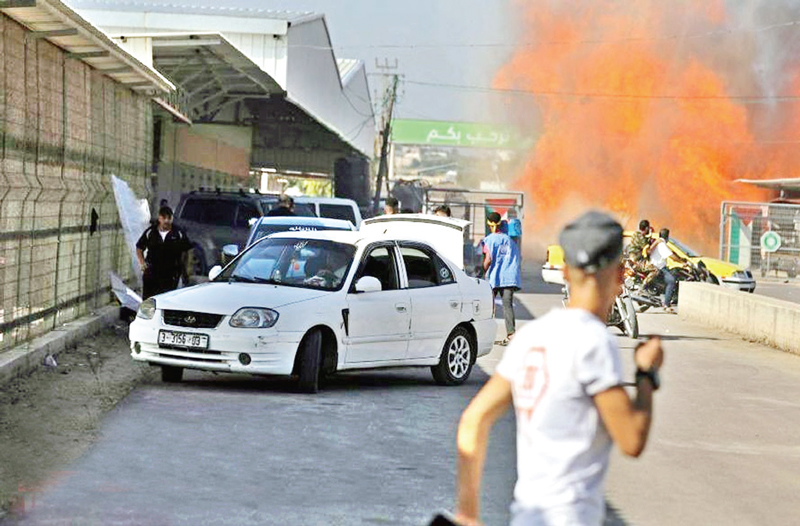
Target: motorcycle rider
<point>659,254</point>
<point>640,242</point>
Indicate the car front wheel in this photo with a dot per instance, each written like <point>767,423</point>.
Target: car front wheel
<point>310,362</point>
<point>457,359</point>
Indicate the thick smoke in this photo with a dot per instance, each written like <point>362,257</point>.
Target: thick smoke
<point>653,109</point>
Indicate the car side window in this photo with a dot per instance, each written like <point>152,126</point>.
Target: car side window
<point>337,212</point>
<point>219,213</point>
<point>245,213</point>
<point>444,275</point>
<point>192,210</point>
<point>420,268</point>
<point>379,263</point>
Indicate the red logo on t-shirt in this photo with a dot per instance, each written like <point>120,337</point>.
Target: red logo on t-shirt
<point>531,384</point>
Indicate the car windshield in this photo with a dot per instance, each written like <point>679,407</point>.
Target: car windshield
<point>307,263</point>
<point>265,230</point>
<point>686,250</point>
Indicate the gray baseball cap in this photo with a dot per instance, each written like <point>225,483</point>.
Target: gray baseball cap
<point>592,242</point>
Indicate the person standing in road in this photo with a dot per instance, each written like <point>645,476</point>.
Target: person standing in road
<point>501,266</point>
<point>563,375</point>
<point>660,254</point>
<point>391,206</point>
<point>514,227</point>
<point>285,207</point>
<point>443,211</point>
<point>161,251</point>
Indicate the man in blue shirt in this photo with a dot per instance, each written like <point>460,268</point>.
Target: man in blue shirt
<point>501,266</point>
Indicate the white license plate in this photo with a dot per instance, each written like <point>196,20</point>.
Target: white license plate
<point>183,339</point>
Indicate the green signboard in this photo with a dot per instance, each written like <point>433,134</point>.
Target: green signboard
<point>460,134</point>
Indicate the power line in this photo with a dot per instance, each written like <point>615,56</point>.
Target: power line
<point>755,99</point>
<point>356,131</point>
<point>349,101</point>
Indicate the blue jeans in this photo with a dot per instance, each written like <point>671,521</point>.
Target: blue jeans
<point>672,284</point>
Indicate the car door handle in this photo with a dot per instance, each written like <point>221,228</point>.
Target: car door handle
<point>400,307</point>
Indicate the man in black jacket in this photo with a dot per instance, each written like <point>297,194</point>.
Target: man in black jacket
<point>161,251</point>
<point>285,207</point>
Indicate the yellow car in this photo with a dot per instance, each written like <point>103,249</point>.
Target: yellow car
<point>722,272</point>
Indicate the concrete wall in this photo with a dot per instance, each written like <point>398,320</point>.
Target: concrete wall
<point>207,155</point>
<point>756,318</point>
<point>64,130</point>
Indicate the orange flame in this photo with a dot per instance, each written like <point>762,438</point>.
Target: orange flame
<point>636,118</point>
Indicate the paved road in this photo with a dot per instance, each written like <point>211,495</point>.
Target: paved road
<point>378,447</point>
<point>723,449</point>
<point>787,290</point>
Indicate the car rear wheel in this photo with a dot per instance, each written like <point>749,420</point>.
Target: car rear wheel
<point>310,362</point>
<point>171,374</point>
<point>457,359</point>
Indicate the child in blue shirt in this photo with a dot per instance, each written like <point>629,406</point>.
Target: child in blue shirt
<point>501,264</point>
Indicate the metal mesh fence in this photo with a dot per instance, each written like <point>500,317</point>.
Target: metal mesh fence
<point>64,129</point>
<point>742,226</point>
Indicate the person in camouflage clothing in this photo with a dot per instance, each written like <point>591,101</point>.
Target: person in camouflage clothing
<point>638,250</point>
<point>640,241</point>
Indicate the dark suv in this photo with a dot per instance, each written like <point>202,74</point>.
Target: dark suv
<point>213,219</point>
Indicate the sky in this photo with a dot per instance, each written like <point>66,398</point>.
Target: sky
<point>456,42</point>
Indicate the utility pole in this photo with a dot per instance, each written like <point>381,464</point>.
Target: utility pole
<point>391,95</point>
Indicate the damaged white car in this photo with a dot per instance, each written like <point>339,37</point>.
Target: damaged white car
<point>312,303</point>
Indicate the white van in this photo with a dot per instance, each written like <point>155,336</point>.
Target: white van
<point>333,208</point>
<point>329,207</point>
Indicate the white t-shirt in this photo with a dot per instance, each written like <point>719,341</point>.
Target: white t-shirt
<point>555,365</point>
<point>660,254</point>
<point>163,234</point>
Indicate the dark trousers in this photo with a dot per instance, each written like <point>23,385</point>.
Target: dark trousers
<point>155,283</point>
<point>507,293</point>
<point>671,283</point>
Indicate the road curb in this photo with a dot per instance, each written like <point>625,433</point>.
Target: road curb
<point>26,358</point>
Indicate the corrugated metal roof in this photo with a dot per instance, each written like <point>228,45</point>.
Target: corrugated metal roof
<point>171,7</point>
<point>209,70</point>
<point>60,25</point>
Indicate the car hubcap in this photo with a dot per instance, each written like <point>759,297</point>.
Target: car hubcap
<point>458,356</point>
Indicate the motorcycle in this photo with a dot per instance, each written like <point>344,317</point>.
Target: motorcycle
<point>651,294</point>
<point>622,314</point>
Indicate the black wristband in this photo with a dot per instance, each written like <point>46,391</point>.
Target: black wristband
<point>651,374</point>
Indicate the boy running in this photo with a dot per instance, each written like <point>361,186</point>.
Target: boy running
<point>564,377</point>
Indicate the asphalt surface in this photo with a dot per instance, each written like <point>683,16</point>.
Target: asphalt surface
<point>786,290</point>
<point>378,447</point>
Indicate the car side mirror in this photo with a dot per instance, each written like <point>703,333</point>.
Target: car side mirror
<point>215,271</point>
<point>230,251</point>
<point>368,284</point>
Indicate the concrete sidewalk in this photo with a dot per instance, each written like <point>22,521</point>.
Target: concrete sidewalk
<point>24,359</point>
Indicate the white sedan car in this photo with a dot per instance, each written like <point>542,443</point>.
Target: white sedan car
<point>313,303</point>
